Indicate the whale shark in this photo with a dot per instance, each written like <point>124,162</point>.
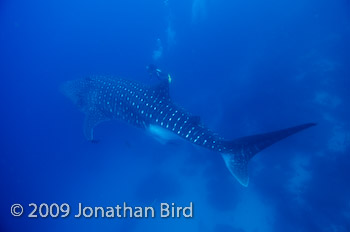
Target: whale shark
<point>151,108</point>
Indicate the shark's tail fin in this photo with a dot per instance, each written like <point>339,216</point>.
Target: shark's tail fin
<point>241,150</point>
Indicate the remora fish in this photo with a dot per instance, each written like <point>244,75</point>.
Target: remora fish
<point>151,108</point>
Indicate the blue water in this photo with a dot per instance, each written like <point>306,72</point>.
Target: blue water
<point>245,67</point>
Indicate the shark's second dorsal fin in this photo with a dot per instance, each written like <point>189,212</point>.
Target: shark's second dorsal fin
<point>195,119</point>
<point>93,118</point>
<point>161,90</point>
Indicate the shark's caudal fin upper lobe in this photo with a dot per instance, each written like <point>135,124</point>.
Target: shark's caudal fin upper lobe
<point>241,150</point>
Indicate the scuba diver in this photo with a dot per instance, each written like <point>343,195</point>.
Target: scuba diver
<point>155,72</point>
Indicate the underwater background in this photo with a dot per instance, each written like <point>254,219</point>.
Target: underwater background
<point>244,67</point>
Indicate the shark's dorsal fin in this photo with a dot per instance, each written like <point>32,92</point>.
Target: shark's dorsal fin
<point>92,119</point>
<point>161,90</point>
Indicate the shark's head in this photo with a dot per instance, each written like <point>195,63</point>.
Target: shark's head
<point>76,91</point>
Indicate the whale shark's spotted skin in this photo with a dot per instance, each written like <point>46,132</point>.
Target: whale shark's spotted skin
<point>107,98</point>
<point>116,98</point>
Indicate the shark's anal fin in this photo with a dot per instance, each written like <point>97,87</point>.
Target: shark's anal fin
<point>92,119</point>
<point>240,151</point>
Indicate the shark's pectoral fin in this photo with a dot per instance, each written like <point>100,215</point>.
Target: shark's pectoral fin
<point>93,118</point>
<point>161,134</point>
